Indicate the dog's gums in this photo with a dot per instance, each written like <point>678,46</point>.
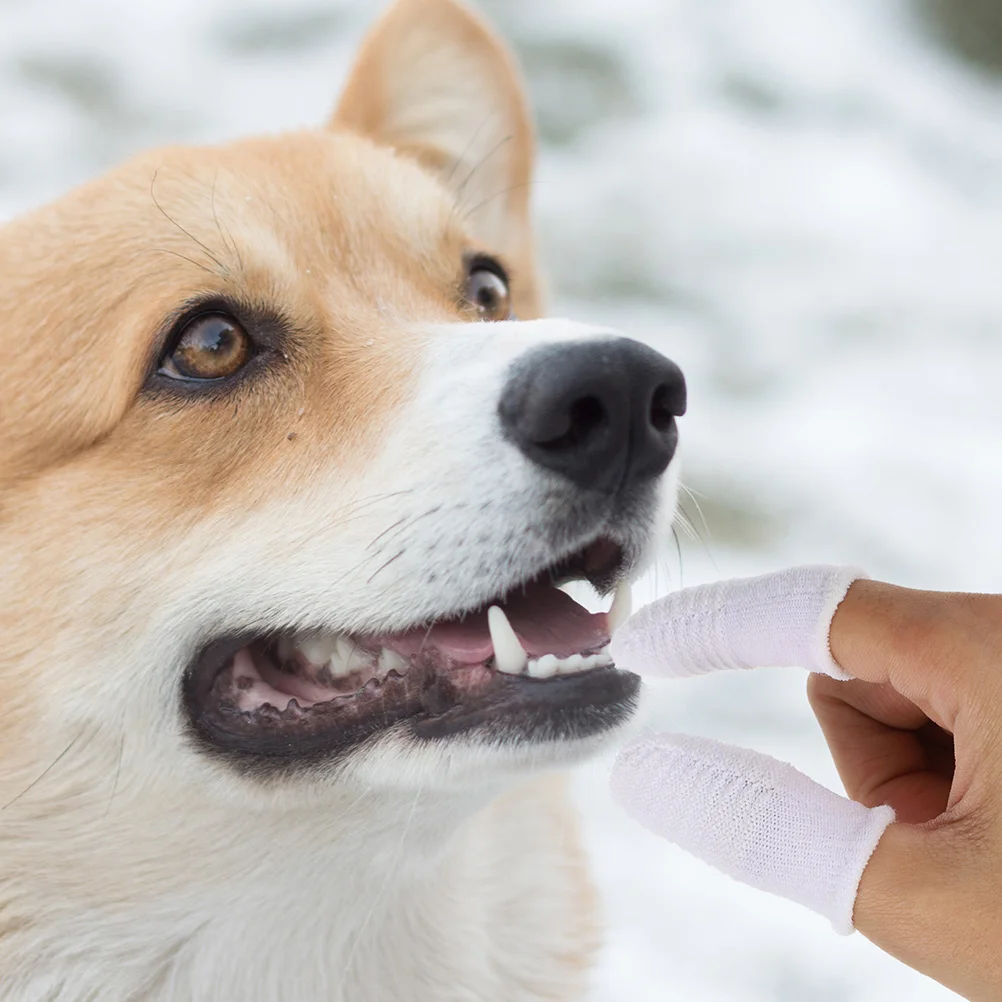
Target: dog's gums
<point>530,662</point>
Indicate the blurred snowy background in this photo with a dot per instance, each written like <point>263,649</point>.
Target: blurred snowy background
<point>799,202</point>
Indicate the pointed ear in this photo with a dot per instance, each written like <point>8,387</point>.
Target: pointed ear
<point>432,80</point>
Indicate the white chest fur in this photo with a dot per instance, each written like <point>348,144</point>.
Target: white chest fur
<point>404,906</point>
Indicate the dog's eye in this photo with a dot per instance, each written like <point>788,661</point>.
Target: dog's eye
<point>212,346</point>
<point>487,290</point>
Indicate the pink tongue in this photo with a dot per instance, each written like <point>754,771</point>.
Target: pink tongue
<point>545,619</point>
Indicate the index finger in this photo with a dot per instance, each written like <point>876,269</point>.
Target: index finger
<point>935,648</point>
<point>779,619</point>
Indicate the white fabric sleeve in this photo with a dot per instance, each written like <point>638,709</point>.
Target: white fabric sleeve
<point>755,818</point>
<point>777,620</point>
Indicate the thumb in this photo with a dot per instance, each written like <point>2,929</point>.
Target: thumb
<point>754,818</point>
<point>929,896</point>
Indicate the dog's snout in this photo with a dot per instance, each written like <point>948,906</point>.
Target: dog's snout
<point>601,413</point>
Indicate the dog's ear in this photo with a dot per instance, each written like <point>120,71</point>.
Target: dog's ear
<point>433,81</point>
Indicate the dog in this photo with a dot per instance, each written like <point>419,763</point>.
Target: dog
<point>292,467</point>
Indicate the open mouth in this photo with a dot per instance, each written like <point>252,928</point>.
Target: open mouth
<point>533,664</point>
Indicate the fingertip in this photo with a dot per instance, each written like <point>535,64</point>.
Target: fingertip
<point>648,642</point>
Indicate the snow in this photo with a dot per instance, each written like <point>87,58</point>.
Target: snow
<point>800,203</point>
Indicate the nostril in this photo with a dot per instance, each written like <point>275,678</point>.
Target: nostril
<point>600,413</point>
<point>584,416</point>
<point>663,408</point>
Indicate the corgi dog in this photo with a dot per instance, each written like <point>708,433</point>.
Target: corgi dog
<point>292,467</point>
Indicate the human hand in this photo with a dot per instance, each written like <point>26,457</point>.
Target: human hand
<point>916,731</point>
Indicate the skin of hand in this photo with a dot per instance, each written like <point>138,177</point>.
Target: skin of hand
<point>919,727</point>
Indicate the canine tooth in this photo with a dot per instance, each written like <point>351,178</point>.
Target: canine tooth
<point>339,664</point>
<point>317,650</point>
<point>622,606</point>
<point>544,667</point>
<point>347,657</point>
<point>509,655</point>
<point>391,661</point>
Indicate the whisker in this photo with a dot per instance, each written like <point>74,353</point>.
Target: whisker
<point>480,163</point>
<point>696,535</point>
<point>230,245</point>
<point>408,521</point>
<point>382,567</point>
<point>44,773</point>
<point>466,149</point>
<point>490,198</point>
<point>424,639</point>
<point>118,770</point>
<point>376,539</point>
<point>355,508</point>
<point>682,518</point>
<point>197,264</point>
<point>691,494</point>
<point>187,233</point>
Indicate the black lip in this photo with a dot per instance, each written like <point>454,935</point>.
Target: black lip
<point>427,703</point>
<point>561,708</point>
<point>510,708</point>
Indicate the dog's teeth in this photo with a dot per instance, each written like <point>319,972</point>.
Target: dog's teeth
<point>571,665</point>
<point>391,661</point>
<point>601,659</point>
<point>509,655</point>
<point>347,657</point>
<point>340,662</point>
<point>317,650</point>
<point>549,664</point>
<point>622,606</point>
<point>545,666</point>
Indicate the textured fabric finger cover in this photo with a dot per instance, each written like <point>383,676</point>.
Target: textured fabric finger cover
<point>754,818</point>
<point>776,620</point>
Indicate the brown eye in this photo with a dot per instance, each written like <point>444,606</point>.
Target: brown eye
<point>487,291</point>
<point>212,346</point>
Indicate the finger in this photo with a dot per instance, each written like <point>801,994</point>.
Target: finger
<point>779,619</point>
<point>885,748</point>
<point>756,819</point>
<point>935,648</point>
<point>928,896</point>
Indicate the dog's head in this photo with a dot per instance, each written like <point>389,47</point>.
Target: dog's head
<point>290,468</point>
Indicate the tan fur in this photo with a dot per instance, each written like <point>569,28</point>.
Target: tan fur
<point>122,852</point>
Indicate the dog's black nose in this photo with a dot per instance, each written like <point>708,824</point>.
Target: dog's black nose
<point>601,413</point>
